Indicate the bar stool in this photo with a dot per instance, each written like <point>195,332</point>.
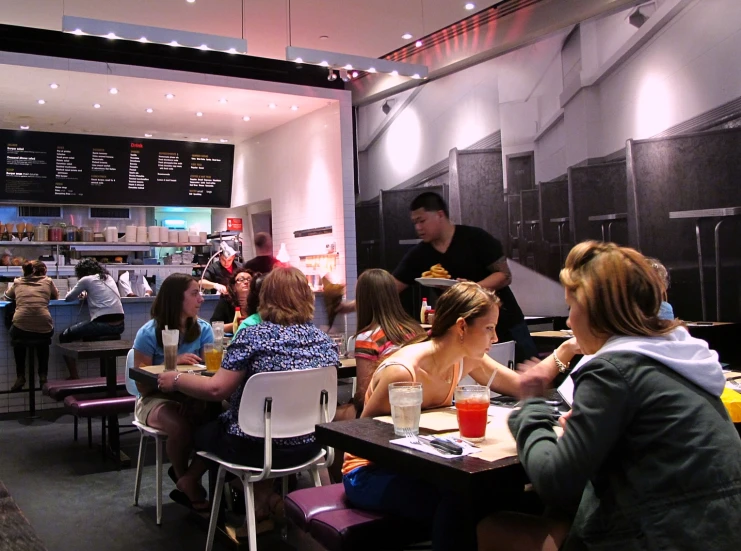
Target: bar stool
<point>30,346</point>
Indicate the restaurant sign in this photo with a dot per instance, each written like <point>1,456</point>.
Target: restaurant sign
<point>234,224</point>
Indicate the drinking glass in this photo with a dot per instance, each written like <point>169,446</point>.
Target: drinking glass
<point>170,340</point>
<point>212,356</point>
<point>406,406</point>
<point>218,329</point>
<point>341,342</point>
<point>472,407</point>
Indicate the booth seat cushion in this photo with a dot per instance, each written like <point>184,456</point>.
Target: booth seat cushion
<point>302,505</point>
<point>59,390</point>
<point>99,407</point>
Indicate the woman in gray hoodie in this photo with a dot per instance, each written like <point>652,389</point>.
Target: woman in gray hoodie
<point>649,458</point>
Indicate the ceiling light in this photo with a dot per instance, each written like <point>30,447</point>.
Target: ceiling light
<point>355,74</point>
<point>199,114</point>
<point>25,127</point>
<point>113,91</point>
<point>272,106</point>
<point>245,118</point>
<point>406,36</point>
<point>147,135</point>
<point>396,73</point>
<point>418,44</point>
<point>222,140</point>
<point>96,105</point>
<point>470,6</point>
<point>149,110</point>
<point>223,100</point>
<point>294,107</point>
<point>204,139</point>
<point>54,86</point>
<point>348,67</point>
<point>232,50</point>
<point>299,60</point>
<point>191,1</point>
<point>343,75</point>
<point>42,102</point>
<point>416,76</point>
<point>359,63</point>
<point>145,34</point>
<point>332,76</point>
<point>203,47</point>
<point>169,96</point>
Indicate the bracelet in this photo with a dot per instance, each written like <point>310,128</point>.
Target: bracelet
<point>175,380</point>
<point>562,367</point>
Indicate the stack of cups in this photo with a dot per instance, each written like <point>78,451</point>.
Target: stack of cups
<point>141,234</point>
<point>130,236</point>
<point>154,234</point>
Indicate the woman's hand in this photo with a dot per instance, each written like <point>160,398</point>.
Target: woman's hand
<point>189,359</point>
<point>564,419</point>
<point>568,349</point>
<point>166,381</point>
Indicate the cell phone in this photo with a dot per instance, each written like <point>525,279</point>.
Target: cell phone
<point>446,447</point>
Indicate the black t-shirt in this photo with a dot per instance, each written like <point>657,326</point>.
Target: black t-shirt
<point>468,256</point>
<point>216,273</point>
<point>262,264</point>
<point>224,311</point>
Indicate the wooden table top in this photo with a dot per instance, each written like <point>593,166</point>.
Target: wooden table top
<point>551,335</point>
<point>97,349</point>
<point>369,438</point>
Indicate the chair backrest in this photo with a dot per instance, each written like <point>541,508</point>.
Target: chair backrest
<point>130,383</point>
<point>296,401</point>
<point>503,353</point>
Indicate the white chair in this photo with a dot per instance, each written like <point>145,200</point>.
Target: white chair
<point>279,404</point>
<point>501,352</point>
<point>144,432</point>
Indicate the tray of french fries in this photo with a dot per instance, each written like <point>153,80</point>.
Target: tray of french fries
<point>436,276</point>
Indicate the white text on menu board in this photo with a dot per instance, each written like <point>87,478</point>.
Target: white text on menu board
<point>136,179</point>
<point>66,171</point>
<point>102,171</point>
<point>202,184</point>
<point>167,161</point>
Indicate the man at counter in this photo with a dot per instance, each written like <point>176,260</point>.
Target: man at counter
<point>133,284</point>
<point>218,273</point>
<point>264,259</point>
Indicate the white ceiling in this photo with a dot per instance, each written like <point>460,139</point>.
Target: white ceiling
<point>361,27</point>
<point>69,108</point>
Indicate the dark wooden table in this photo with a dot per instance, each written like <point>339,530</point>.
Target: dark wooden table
<point>369,439</point>
<point>106,352</point>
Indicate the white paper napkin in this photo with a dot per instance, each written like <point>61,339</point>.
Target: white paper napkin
<point>467,448</point>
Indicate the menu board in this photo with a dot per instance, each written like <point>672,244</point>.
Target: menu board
<point>42,167</point>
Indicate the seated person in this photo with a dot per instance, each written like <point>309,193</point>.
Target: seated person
<point>176,306</point>
<point>649,458</point>
<point>285,340</point>
<point>461,335</point>
<point>132,284</point>
<point>236,297</point>
<point>104,303</point>
<point>253,302</point>
<point>666,312</point>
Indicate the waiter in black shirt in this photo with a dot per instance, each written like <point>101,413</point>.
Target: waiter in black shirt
<point>218,273</point>
<point>467,253</point>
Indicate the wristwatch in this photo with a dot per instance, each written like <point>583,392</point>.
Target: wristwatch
<point>562,367</point>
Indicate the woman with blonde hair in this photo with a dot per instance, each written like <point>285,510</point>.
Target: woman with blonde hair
<point>461,335</point>
<point>649,458</point>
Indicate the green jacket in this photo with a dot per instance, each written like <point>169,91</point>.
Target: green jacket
<point>647,461</point>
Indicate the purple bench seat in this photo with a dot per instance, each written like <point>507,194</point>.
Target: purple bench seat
<point>327,516</point>
<point>59,390</point>
<point>99,407</point>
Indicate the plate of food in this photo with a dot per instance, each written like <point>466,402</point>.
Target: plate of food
<point>436,276</point>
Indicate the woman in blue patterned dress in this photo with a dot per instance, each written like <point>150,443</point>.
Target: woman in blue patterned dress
<point>286,340</point>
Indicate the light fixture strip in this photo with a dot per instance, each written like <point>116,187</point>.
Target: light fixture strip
<point>358,63</point>
<point>125,31</point>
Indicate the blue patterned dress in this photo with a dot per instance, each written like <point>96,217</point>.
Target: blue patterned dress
<point>272,347</point>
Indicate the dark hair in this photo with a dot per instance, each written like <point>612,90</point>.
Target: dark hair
<point>34,268</point>
<point>261,239</point>
<point>429,201</point>
<point>168,307</point>
<point>253,298</point>
<point>231,288</point>
<point>90,266</point>
<point>378,305</point>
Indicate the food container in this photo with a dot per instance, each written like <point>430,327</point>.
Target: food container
<point>86,234</point>
<point>111,234</point>
<point>70,233</point>
<point>172,236</point>
<point>41,233</point>
<point>130,234</point>
<point>55,233</point>
<point>153,234</point>
<point>141,234</point>
<point>182,236</point>
<point>98,237</point>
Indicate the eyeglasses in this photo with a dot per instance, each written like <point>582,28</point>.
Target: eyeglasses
<point>242,280</point>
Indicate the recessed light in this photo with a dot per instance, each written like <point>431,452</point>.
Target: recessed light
<point>113,91</point>
<point>96,105</point>
<point>355,74</point>
<point>204,139</point>
<point>169,96</point>
<point>272,105</point>
<point>324,64</point>
<point>223,100</point>
<point>78,32</point>
<point>147,135</point>
<point>175,43</point>
<point>191,1</point>
<point>418,44</point>
<point>470,6</point>
<point>232,50</point>
<point>294,107</point>
<point>143,40</point>
<point>395,73</point>
<point>25,127</point>
<point>324,37</point>
<point>372,70</point>
<point>348,67</point>
<point>150,110</point>
<point>222,140</point>
<point>199,114</point>
<point>112,36</point>
<point>42,102</point>
<point>406,36</point>
<point>203,47</point>
<point>299,60</point>
<point>245,118</point>
<point>54,86</point>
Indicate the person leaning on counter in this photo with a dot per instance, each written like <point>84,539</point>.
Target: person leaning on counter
<point>467,253</point>
<point>218,273</point>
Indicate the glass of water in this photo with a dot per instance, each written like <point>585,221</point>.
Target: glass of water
<point>406,406</point>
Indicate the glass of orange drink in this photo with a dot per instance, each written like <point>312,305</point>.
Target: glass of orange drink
<point>212,356</point>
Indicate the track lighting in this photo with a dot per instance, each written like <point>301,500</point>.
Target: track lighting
<point>332,76</point>
<point>343,75</point>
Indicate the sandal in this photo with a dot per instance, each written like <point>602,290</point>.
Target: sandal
<point>202,506</point>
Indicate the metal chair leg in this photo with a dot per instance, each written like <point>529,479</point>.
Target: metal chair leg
<point>315,477</point>
<point>249,507</point>
<point>75,428</point>
<point>89,432</point>
<point>158,445</point>
<point>218,491</point>
<point>140,462</point>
